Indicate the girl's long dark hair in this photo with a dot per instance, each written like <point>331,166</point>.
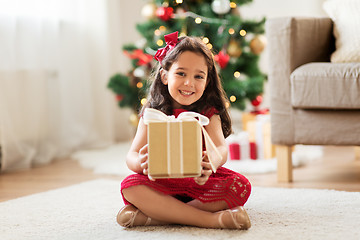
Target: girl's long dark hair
<point>213,96</point>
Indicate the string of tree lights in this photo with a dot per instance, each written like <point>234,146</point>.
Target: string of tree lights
<point>236,43</point>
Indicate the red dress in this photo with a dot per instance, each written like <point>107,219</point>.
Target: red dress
<point>224,185</point>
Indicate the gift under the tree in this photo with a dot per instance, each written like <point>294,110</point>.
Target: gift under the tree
<point>253,143</point>
<point>260,133</point>
<point>252,116</point>
<point>240,147</point>
<point>175,144</point>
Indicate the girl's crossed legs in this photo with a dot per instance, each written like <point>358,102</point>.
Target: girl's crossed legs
<point>160,209</point>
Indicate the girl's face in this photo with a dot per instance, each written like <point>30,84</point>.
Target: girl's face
<point>186,79</point>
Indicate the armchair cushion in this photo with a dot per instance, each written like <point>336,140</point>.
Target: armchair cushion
<point>346,17</point>
<point>326,86</point>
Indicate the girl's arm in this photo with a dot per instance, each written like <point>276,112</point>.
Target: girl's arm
<point>138,151</point>
<point>215,132</point>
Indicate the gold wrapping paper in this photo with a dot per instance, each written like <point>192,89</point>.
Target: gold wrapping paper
<point>175,149</point>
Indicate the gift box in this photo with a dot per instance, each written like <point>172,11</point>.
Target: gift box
<point>175,149</point>
<point>234,151</point>
<point>260,133</point>
<point>238,145</point>
<point>175,145</point>
<point>246,118</point>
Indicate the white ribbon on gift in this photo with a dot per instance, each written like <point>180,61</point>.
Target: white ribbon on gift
<point>153,115</point>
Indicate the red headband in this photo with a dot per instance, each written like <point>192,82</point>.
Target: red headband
<point>171,41</point>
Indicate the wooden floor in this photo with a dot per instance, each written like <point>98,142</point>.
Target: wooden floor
<point>337,169</point>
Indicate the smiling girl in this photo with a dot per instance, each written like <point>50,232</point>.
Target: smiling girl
<point>186,80</point>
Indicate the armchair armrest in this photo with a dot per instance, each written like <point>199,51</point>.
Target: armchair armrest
<point>292,42</point>
<point>303,39</point>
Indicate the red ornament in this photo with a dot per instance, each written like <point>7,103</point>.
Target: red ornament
<point>222,59</point>
<point>164,13</point>
<point>119,97</point>
<point>257,101</point>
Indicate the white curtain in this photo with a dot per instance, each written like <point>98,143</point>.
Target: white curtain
<point>56,57</point>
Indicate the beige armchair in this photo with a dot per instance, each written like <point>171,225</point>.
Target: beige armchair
<point>312,101</point>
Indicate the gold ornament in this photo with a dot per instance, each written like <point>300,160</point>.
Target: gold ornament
<point>234,49</point>
<point>257,44</point>
<point>149,10</point>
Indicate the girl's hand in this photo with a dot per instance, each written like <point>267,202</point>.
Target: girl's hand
<point>205,172</point>
<point>143,159</point>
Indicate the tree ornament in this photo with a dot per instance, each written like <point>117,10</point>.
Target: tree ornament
<point>234,49</point>
<point>164,13</point>
<point>222,59</point>
<point>257,44</point>
<point>139,72</point>
<point>257,101</point>
<point>149,10</point>
<point>119,97</point>
<point>220,6</point>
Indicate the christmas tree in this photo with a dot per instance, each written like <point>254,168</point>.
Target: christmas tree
<point>236,44</point>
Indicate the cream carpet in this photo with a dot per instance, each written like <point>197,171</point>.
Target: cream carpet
<point>88,210</point>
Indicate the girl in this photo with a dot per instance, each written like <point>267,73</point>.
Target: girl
<point>186,80</point>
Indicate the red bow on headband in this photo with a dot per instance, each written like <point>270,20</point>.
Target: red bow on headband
<point>171,41</point>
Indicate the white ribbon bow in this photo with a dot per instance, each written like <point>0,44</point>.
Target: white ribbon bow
<point>153,115</point>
